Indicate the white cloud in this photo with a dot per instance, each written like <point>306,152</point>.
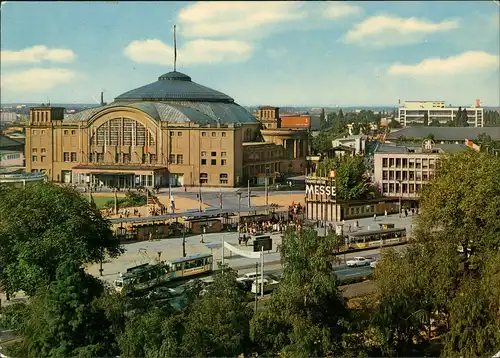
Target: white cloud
<point>37,54</point>
<point>229,19</point>
<point>464,62</point>
<point>336,10</point>
<point>383,30</point>
<point>194,52</point>
<point>36,79</point>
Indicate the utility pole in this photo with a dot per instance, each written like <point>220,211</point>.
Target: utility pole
<point>184,241</point>
<point>239,213</point>
<point>255,283</point>
<point>262,271</point>
<point>249,204</point>
<point>116,202</point>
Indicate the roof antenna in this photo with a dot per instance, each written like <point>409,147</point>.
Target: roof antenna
<point>175,50</point>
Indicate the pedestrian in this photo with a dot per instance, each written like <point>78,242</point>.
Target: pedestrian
<point>150,236</point>
<point>349,228</point>
<point>374,217</point>
<point>385,213</point>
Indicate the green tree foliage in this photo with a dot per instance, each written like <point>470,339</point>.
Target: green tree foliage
<point>65,321</point>
<point>323,120</point>
<point>450,275</point>
<point>491,118</point>
<point>217,323</point>
<point>307,316</point>
<point>43,225</point>
<point>322,142</point>
<point>352,180</point>
<point>426,119</point>
<point>394,124</point>
<point>356,128</point>
<point>486,143</point>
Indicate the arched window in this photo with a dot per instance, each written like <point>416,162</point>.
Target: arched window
<point>123,131</point>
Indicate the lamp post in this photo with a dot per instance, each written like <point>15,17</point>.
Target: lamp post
<point>400,193</point>
<point>239,213</point>
<point>184,241</point>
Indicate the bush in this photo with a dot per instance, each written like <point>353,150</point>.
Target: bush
<point>13,316</point>
<point>130,199</point>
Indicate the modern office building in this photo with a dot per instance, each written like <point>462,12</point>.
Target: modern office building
<point>401,171</point>
<point>169,132</point>
<point>443,135</point>
<point>414,112</point>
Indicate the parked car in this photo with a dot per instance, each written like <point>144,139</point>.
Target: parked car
<point>250,276</point>
<point>373,264</point>
<point>358,261</point>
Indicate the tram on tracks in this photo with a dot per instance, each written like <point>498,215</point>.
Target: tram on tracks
<point>147,276</point>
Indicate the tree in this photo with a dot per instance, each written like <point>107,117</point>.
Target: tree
<point>341,114</point>
<point>352,181</point>
<point>426,118</point>
<point>65,321</point>
<point>465,119</point>
<point>356,128</point>
<point>394,124</point>
<point>491,118</point>
<point>44,225</point>
<point>322,120</point>
<point>322,142</point>
<point>307,315</point>
<point>217,323</point>
<point>451,263</point>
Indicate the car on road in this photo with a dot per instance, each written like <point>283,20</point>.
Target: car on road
<point>373,264</point>
<point>250,276</point>
<point>358,261</point>
<point>269,285</point>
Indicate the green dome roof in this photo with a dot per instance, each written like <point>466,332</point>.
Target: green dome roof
<point>174,86</point>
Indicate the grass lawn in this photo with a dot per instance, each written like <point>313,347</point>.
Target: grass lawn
<point>100,200</point>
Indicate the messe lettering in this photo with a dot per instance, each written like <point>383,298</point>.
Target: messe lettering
<point>320,190</point>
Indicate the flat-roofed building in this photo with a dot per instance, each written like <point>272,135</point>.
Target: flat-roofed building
<point>443,135</point>
<point>401,171</point>
<point>414,112</point>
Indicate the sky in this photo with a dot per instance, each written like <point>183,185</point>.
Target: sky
<point>260,53</point>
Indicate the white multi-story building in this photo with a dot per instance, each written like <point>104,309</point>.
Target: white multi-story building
<point>401,171</point>
<point>414,111</point>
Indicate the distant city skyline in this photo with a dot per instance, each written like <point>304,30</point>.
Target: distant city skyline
<point>324,54</point>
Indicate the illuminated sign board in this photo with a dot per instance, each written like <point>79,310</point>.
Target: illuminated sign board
<point>320,189</point>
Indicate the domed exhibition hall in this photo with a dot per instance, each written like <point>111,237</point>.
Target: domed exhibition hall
<point>171,132</point>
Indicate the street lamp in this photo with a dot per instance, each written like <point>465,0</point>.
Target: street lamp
<point>184,241</point>
<point>239,214</point>
<point>400,194</point>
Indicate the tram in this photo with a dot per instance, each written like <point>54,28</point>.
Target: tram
<point>147,276</point>
<point>373,238</point>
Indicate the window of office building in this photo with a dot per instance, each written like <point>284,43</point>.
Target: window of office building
<point>203,134</point>
<point>203,154</point>
<point>73,156</point>
<point>223,134</point>
<point>214,134</point>
<point>179,134</point>
<point>73,132</point>
<point>203,178</point>
<point>91,157</point>
<point>34,158</point>
<point>223,178</point>
<point>385,175</point>
<point>391,188</point>
<point>43,150</point>
<point>42,158</point>
<point>398,162</point>
<point>213,161</point>
<point>405,163</point>
<point>391,175</point>
<point>223,154</point>
<point>117,157</point>
<point>391,162</point>
<point>171,134</point>
<point>405,188</point>
<point>171,158</point>
<point>411,175</point>
<point>418,163</point>
<point>405,175</point>
<point>223,162</point>
<point>203,162</point>
<point>180,159</point>
<point>66,156</point>
<point>126,157</point>
<point>398,175</point>
<point>100,157</point>
<point>214,154</point>
<point>152,158</point>
<point>65,132</point>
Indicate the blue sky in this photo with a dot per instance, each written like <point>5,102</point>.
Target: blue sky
<point>276,53</point>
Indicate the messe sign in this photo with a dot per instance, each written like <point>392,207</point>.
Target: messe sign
<point>320,189</point>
